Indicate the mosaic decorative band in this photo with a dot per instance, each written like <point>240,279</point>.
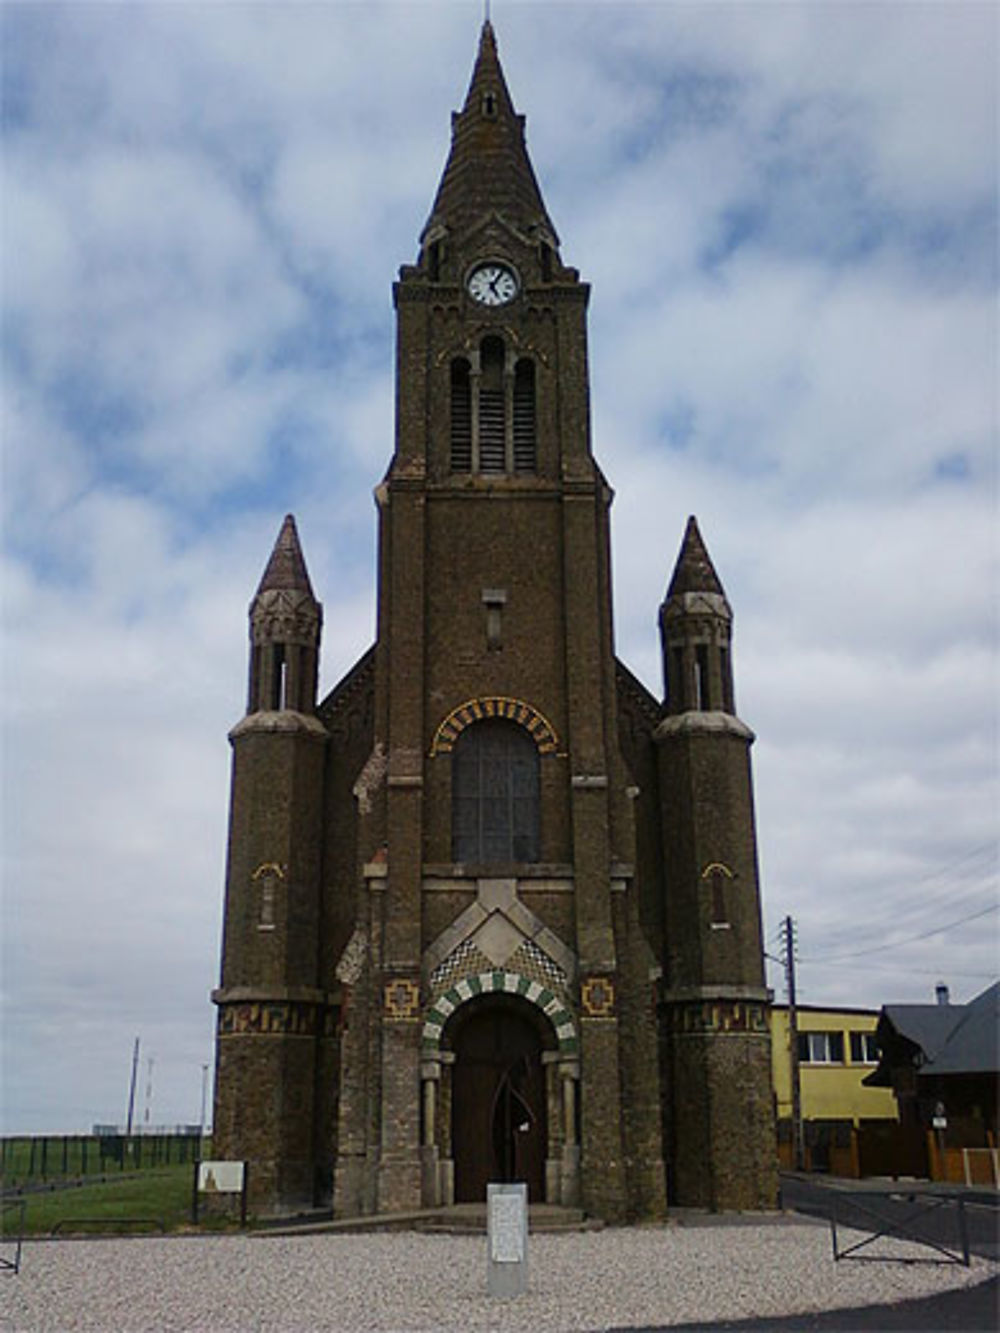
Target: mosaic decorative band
<point>271,1018</point>
<point>597,997</point>
<point>503,983</point>
<point>718,1016</point>
<point>402,1000</point>
<point>477,710</point>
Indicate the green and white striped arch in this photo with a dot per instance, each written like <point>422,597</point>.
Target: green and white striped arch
<point>499,982</point>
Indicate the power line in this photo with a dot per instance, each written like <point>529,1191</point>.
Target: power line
<point>912,939</point>
<point>959,887</point>
<point>917,971</point>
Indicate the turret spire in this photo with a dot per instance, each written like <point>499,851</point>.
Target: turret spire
<point>488,169</point>
<point>286,568</point>
<point>694,571</point>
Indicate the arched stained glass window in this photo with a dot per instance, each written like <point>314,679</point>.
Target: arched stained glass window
<point>495,794</point>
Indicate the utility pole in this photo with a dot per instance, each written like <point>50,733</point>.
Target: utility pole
<point>204,1098</point>
<point>131,1089</point>
<point>798,1146</point>
<point>149,1091</point>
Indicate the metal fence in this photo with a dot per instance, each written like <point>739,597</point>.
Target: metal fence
<point>38,1159</point>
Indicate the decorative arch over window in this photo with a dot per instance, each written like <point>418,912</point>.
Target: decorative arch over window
<point>476,710</point>
<point>495,794</point>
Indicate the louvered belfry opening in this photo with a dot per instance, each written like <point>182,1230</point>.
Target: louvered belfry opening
<point>492,432</point>
<point>524,416</point>
<point>461,416</point>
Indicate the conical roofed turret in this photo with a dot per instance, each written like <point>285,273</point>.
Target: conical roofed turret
<point>285,622</point>
<point>695,630</point>
<point>488,169</point>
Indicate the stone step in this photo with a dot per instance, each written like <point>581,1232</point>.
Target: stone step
<point>470,1219</point>
<point>460,1219</point>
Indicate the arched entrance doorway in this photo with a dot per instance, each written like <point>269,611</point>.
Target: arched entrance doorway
<point>499,1128</point>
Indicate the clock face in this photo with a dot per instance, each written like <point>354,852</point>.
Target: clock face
<point>492,284</point>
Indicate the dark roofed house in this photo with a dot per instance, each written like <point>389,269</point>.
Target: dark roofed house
<point>942,1061</point>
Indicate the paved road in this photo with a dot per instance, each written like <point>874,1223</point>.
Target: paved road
<point>970,1310</point>
<point>921,1210</point>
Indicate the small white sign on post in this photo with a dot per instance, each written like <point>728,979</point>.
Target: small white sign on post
<point>220,1177</point>
<point>507,1239</point>
<point>216,1183</point>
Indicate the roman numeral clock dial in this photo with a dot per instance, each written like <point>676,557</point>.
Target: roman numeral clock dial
<point>492,284</point>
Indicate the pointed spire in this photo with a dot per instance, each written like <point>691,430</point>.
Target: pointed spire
<point>694,571</point>
<point>286,569</point>
<point>488,169</point>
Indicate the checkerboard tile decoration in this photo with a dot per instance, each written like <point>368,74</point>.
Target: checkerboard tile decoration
<point>464,961</point>
<point>530,961</point>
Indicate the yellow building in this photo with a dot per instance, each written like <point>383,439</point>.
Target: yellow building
<point>848,1129</point>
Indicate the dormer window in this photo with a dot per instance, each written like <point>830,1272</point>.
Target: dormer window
<point>489,106</point>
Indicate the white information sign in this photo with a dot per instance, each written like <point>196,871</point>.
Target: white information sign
<point>220,1177</point>
<point>506,1228</point>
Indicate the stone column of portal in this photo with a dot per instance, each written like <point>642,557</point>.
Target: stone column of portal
<point>430,1082</point>
<point>570,1176</point>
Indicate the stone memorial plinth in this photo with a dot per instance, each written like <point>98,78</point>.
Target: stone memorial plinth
<point>507,1240</point>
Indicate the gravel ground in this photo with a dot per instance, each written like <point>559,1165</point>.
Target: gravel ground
<point>402,1283</point>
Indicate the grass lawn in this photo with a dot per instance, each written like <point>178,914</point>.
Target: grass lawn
<point>163,1195</point>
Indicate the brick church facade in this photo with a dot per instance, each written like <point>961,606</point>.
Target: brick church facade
<point>492,909</point>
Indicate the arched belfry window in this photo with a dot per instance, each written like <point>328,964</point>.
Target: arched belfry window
<point>524,416</point>
<point>495,794</point>
<point>461,416</point>
<point>493,412</point>
<point>492,417</point>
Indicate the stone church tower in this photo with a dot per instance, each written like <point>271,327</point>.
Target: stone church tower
<point>492,909</point>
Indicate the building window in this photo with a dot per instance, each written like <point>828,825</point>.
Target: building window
<point>461,416</point>
<point>493,413</point>
<point>492,418</point>
<point>495,794</point>
<point>524,416</point>
<point>864,1048</point>
<point>821,1048</point>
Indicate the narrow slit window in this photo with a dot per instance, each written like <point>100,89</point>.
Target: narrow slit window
<point>524,416</point>
<point>728,703</point>
<point>703,700</point>
<point>679,692</point>
<point>461,416</point>
<point>279,671</point>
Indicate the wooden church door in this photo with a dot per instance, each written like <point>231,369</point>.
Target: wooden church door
<point>498,1104</point>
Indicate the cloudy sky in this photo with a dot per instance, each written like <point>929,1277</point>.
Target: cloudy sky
<point>787,213</point>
